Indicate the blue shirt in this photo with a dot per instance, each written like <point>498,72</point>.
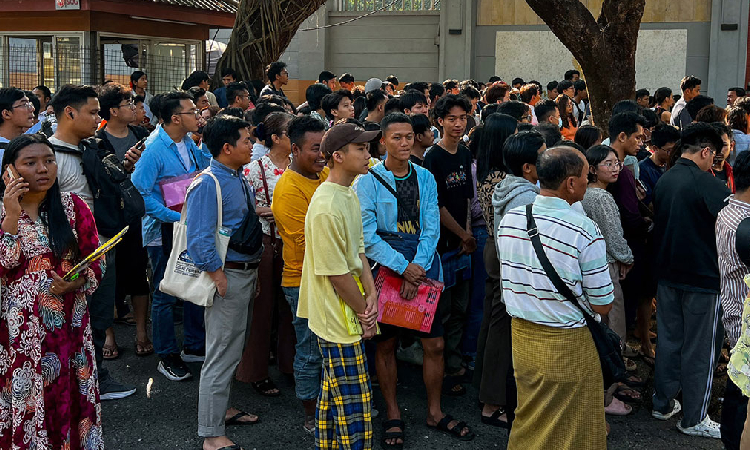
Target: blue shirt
<point>649,175</point>
<point>202,215</point>
<point>742,144</point>
<point>221,97</point>
<point>161,160</point>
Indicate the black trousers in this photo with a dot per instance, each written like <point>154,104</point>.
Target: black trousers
<point>733,415</point>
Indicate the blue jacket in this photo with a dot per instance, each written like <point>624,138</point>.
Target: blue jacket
<point>161,160</point>
<point>380,212</point>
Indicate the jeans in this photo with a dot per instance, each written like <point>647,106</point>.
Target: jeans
<point>308,361</point>
<point>476,304</point>
<point>162,313</point>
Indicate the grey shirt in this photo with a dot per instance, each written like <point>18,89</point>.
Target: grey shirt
<point>600,207</point>
<point>122,145</point>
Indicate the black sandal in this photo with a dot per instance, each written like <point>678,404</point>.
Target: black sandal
<point>393,423</point>
<point>264,387</point>
<point>235,420</point>
<point>442,426</point>
<point>494,419</point>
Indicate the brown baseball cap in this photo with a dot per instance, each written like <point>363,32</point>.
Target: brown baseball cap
<point>343,134</point>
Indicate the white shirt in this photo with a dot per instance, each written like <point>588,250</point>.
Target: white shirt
<point>182,149</point>
<point>70,173</point>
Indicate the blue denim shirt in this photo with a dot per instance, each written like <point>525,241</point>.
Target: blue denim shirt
<point>161,160</point>
<point>202,215</point>
<point>380,212</point>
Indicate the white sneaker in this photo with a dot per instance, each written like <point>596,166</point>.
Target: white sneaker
<point>704,428</point>
<point>666,416</point>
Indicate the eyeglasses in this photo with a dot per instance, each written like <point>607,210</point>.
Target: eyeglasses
<point>27,105</point>
<point>130,105</point>
<point>193,112</point>
<point>612,164</point>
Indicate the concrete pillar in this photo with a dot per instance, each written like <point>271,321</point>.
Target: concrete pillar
<point>728,48</point>
<point>455,37</point>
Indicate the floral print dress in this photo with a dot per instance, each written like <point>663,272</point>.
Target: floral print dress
<point>272,173</point>
<point>49,396</point>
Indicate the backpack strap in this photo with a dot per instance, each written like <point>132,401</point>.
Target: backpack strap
<point>742,241</point>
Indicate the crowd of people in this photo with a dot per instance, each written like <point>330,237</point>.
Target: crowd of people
<point>505,194</point>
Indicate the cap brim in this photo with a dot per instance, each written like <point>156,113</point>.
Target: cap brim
<point>366,136</point>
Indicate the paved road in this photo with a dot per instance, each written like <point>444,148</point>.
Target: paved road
<point>168,420</point>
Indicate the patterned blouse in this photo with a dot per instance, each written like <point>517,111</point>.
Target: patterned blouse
<point>272,173</point>
<point>485,189</point>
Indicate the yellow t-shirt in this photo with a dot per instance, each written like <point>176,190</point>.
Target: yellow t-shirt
<point>333,230</point>
<point>291,197</point>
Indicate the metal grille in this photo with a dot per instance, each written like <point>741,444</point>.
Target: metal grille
<point>399,5</point>
<point>28,66</point>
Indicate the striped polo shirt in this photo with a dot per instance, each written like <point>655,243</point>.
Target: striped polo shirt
<point>731,268</point>
<point>576,249</point>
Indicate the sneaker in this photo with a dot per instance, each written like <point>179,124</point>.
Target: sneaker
<point>173,368</point>
<point>704,428</point>
<point>193,356</point>
<point>110,389</point>
<point>676,407</point>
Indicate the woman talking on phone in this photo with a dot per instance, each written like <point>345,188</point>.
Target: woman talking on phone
<point>49,397</point>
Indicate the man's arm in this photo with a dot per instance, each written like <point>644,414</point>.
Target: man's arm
<point>346,287</point>
<point>144,178</point>
<point>429,233</point>
<point>596,282</point>
<point>202,214</point>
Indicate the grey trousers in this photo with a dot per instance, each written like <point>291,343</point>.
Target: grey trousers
<point>227,324</point>
<point>685,350</point>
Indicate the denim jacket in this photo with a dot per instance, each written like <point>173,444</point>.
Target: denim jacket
<point>380,212</point>
<point>161,160</point>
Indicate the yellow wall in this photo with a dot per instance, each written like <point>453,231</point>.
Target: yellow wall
<point>518,12</point>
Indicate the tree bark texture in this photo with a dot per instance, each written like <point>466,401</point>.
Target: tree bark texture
<point>262,31</point>
<point>605,48</point>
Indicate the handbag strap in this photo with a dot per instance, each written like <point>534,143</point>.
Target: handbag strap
<point>388,186</point>
<point>268,197</point>
<point>219,201</point>
<point>552,274</point>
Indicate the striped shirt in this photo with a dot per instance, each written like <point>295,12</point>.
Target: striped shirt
<point>576,249</point>
<point>731,269</point>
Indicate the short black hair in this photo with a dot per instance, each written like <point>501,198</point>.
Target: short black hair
<point>737,90</point>
<point>489,109</point>
<point>136,75</point>
<point>71,95</point>
<point>420,86</point>
<point>470,92</point>
<point>392,105</point>
<point>420,123</point>
<point>195,92</point>
<point>514,108</point>
<point>314,95</point>
<point>737,118</point>
<point>331,101</point>
<point>641,93</point>
<point>346,78</point>
<point>558,164</point>
<point>263,109</point>
<point>689,82</point>
<point>139,99</point>
<point>569,74</point>
<point>390,119</point>
<point>450,101</point>
<point>392,79</point>
<point>301,125</point>
<point>412,98</point>
<point>544,110</point>
<point>494,78</point>
<point>587,135</point>
<point>711,114</point>
<point>234,112</point>
<point>551,133</point>
<point>564,85</point>
<point>436,91</point>
<point>221,130</point>
<point>8,96</point>
<point>626,106</point>
<point>229,72</point>
<point>110,96</point>
<point>194,79</point>
<point>552,85</point>
<point>741,171</point>
<point>274,70</point>
<point>651,118</point>
<point>48,94</point>
<point>155,105</point>
<point>595,155</point>
<point>234,89</point>
<point>517,80</point>
<point>450,84</point>
<point>326,76</point>
<point>579,85</point>
<point>170,104</point>
<point>374,98</point>
<point>698,135</point>
<point>626,122</point>
<point>522,148</point>
<point>698,103</point>
<point>34,102</point>
<point>662,94</point>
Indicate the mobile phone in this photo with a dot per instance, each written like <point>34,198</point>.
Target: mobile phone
<point>141,144</point>
<point>11,176</point>
<point>642,185</point>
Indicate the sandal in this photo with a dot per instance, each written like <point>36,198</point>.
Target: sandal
<point>393,423</point>
<point>110,352</point>
<point>452,386</point>
<point>630,365</point>
<point>495,420</point>
<point>266,387</point>
<point>235,420</point>
<point>144,348</point>
<point>627,394</point>
<point>646,358</point>
<point>455,431</point>
<point>633,381</point>
<point>618,408</point>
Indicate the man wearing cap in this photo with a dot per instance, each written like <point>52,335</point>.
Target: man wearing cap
<point>336,277</point>
<point>373,84</point>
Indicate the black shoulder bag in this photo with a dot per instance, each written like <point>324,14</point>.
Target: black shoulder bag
<point>607,342</point>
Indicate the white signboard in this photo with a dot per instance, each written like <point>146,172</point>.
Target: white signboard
<point>67,4</point>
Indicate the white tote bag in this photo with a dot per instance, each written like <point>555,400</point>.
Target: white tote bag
<point>182,278</point>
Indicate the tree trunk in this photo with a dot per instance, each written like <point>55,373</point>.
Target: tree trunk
<point>605,48</point>
<point>262,31</point>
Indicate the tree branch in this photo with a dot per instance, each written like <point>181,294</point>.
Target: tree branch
<point>575,26</point>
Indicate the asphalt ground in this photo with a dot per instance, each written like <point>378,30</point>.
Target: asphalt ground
<point>168,419</point>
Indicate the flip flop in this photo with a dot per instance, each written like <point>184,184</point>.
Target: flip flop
<point>235,420</point>
<point>628,394</point>
<point>110,352</point>
<point>265,387</point>
<point>454,431</point>
<point>144,348</point>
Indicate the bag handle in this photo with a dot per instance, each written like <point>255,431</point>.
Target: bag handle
<point>388,186</point>
<point>268,197</point>
<point>552,274</point>
<point>219,221</point>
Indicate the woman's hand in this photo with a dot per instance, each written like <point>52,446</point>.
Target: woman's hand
<point>61,287</point>
<point>14,191</point>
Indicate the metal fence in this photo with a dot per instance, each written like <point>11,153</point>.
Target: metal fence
<point>53,66</point>
<point>388,5</point>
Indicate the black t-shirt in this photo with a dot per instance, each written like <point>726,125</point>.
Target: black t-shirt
<point>407,189</point>
<point>452,172</point>
<point>415,160</point>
